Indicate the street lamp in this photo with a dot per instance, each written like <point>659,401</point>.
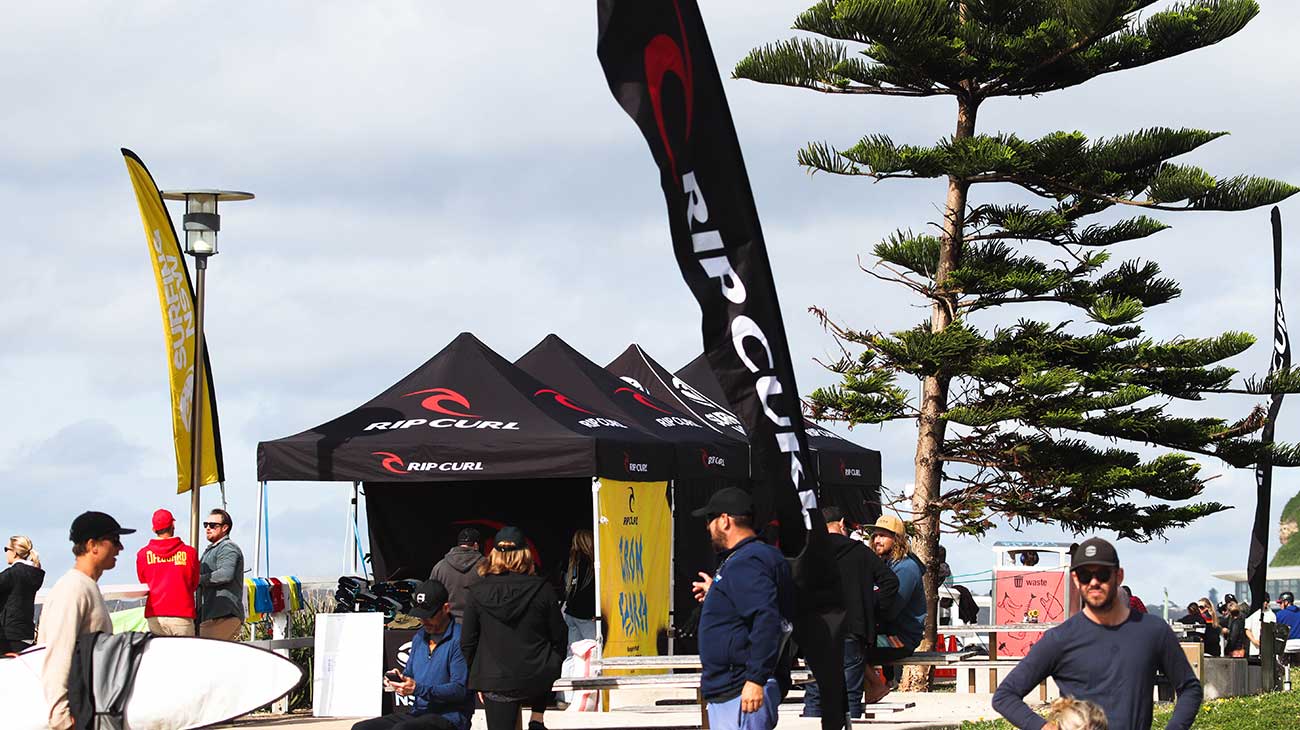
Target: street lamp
<point>201,225</point>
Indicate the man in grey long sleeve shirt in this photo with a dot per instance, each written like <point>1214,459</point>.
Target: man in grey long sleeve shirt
<point>1106,653</point>
<point>221,581</point>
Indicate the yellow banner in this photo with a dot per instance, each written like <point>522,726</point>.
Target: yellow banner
<point>176,296</point>
<point>635,564</point>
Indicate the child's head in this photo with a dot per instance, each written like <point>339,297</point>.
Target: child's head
<point>1072,714</point>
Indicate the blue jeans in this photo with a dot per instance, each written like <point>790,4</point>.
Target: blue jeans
<point>579,629</point>
<point>855,675</point>
<point>727,715</point>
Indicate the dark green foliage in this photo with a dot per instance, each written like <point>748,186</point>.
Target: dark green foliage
<point>1025,407</point>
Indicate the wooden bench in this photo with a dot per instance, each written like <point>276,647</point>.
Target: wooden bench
<point>691,680</point>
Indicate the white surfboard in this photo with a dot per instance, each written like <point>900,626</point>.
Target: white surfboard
<point>183,683</point>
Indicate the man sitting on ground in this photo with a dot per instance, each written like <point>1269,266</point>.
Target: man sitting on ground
<point>1107,653</point>
<point>900,627</point>
<point>436,673</point>
<point>869,588</point>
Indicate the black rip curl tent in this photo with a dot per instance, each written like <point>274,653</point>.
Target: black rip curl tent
<point>701,452</point>
<point>468,439</point>
<point>848,475</point>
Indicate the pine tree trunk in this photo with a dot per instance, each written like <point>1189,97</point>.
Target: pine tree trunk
<point>934,403</point>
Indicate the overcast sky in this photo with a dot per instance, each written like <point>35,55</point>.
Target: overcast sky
<point>425,169</point>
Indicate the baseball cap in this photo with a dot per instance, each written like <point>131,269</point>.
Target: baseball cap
<point>428,599</point>
<point>95,526</point>
<point>163,520</point>
<point>467,536</point>
<point>890,523</point>
<point>510,534</point>
<point>1094,551</point>
<point>730,501</point>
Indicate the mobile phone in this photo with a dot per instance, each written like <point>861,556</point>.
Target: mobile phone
<point>393,675</point>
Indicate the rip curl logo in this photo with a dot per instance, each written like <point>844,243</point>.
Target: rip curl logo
<point>394,463</point>
<point>563,400</point>
<point>849,471</point>
<point>1090,551</point>
<point>708,459</point>
<point>662,57</point>
<point>436,399</point>
<point>642,399</point>
<point>632,467</point>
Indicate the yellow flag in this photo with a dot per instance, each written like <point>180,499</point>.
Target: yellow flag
<point>176,297</point>
<point>635,561</point>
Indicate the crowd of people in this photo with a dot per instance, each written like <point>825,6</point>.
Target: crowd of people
<point>493,633</point>
<point>75,606</point>
<point>1225,630</point>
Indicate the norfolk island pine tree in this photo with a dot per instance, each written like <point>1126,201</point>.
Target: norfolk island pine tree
<point>1026,421</point>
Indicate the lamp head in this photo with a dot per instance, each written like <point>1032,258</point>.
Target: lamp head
<point>201,219</point>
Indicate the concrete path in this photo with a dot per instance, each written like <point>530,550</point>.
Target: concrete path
<point>934,710</point>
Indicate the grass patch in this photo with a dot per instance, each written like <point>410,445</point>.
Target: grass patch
<point>1259,712</point>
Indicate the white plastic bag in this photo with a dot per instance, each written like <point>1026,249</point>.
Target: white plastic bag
<point>586,655</point>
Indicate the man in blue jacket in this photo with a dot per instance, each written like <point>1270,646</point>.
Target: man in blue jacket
<point>435,675</point>
<point>901,625</point>
<point>745,620</point>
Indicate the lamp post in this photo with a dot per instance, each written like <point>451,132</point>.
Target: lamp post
<point>201,225</point>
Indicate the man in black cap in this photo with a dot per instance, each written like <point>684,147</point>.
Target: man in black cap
<point>435,675</point>
<point>458,569</point>
<point>745,620</point>
<point>75,606</point>
<point>868,586</point>
<point>1107,653</point>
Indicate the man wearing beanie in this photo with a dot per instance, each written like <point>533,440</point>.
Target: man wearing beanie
<point>171,570</point>
<point>1107,653</point>
<point>75,606</point>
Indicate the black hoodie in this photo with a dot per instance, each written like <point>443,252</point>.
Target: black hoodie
<point>867,583</point>
<point>18,586</point>
<point>513,636</point>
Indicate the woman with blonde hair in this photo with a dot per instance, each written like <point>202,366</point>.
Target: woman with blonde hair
<point>18,585</point>
<point>580,589</point>
<point>1213,629</point>
<point>1068,713</point>
<point>513,635</point>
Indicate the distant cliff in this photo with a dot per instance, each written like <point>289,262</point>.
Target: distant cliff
<point>1288,552</point>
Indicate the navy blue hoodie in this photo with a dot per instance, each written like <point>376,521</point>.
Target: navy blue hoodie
<point>741,628</point>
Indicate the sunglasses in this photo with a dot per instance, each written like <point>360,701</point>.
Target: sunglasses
<point>8,549</point>
<point>213,525</point>
<point>1085,575</point>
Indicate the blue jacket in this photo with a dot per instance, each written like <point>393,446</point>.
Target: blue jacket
<point>1290,617</point>
<point>440,678</point>
<point>741,624</point>
<point>906,617</point>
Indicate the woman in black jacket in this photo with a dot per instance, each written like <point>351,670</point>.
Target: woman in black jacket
<point>513,636</point>
<point>18,585</point>
<point>580,590</point>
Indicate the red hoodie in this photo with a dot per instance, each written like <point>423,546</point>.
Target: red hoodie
<point>171,570</point>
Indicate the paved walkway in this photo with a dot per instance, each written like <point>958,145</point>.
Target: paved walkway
<point>935,710</point>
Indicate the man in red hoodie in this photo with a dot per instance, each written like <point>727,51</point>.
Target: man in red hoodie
<point>171,570</point>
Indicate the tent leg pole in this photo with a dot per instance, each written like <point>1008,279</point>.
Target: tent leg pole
<point>355,540</point>
<point>672,564</point>
<point>595,562</point>
<point>257,549</point>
